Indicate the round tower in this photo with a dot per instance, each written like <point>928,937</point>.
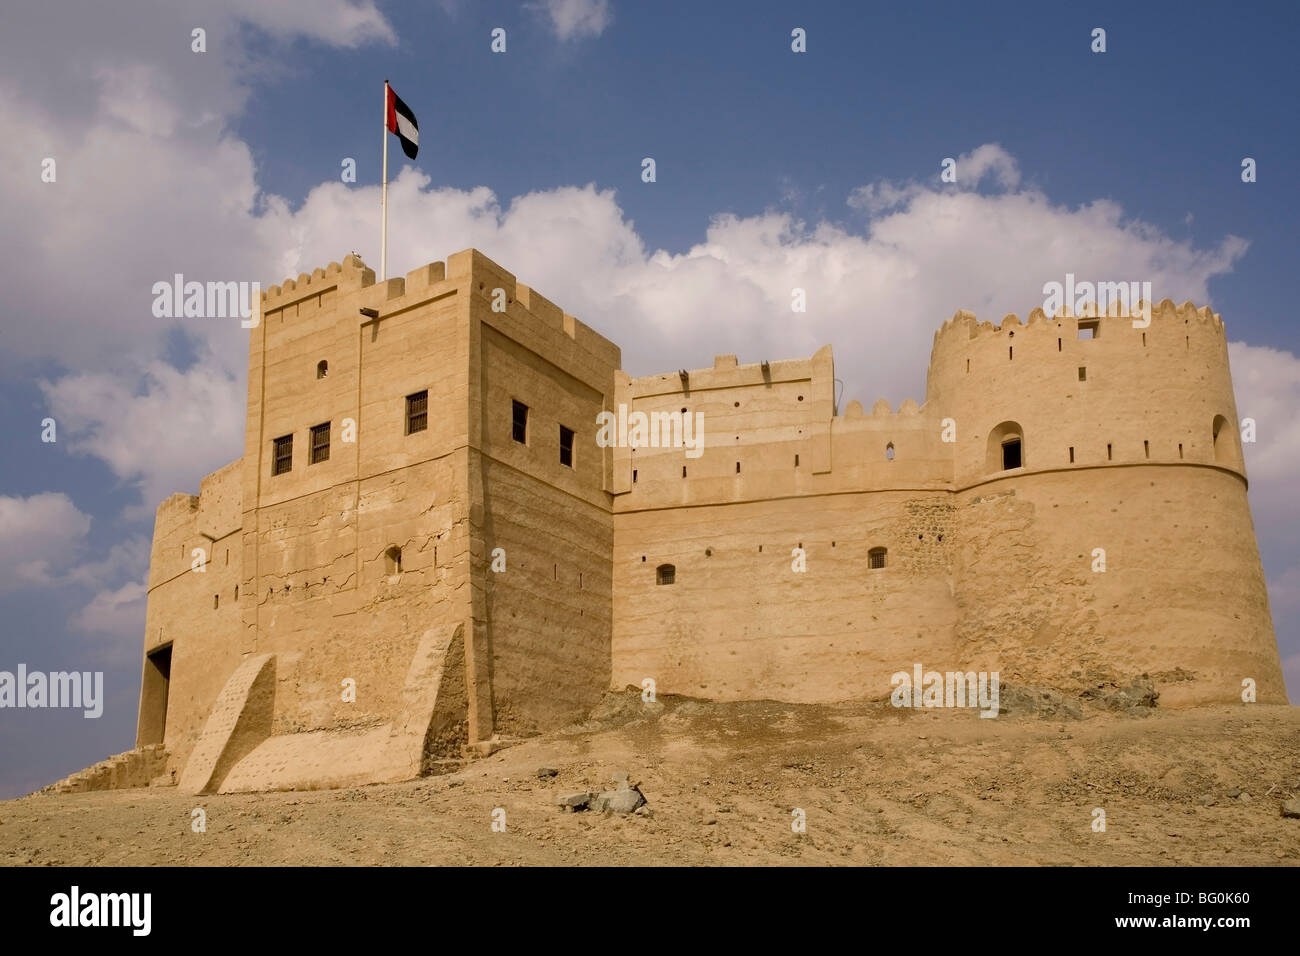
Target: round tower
<point>1104,527</point>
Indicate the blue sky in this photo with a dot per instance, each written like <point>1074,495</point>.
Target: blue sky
<point>774,169</point>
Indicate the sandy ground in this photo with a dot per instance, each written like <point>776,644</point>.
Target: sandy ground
<point>877,785</point>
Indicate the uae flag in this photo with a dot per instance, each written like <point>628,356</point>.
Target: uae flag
<point>402,122</point>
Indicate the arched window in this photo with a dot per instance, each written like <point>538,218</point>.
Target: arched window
<point>322,368</point>
<point>1006,449</point>
<point>393,560</point>
<point>1225,442</point>
<point>876,558</point>
<point>665,574</point>
<point>889,451</point>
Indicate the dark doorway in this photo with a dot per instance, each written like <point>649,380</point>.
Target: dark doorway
<point>153,696</point>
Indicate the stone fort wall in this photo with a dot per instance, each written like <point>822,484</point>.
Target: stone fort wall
<point>1129,443</point>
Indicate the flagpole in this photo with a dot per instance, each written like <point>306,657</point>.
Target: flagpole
<point>383,199</point>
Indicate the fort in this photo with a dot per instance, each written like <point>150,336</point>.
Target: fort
<point>962,532</point>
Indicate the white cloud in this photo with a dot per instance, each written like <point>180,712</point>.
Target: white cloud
<point>161,432</point>
<point>118,612</point>
<point>39,536</point>
<point>574,19</point>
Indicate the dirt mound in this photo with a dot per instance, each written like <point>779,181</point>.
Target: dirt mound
<point>734,784</point>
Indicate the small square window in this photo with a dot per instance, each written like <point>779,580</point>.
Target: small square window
<point>282,461</point>
<point>320,443</point>
<point>417,412</point>
<point>566,446</point>
<point>1089,330</point>
<point>519,422</point>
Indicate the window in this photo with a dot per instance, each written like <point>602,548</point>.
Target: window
<point>1225,444</point>
<point>1006,448</point>
<point>665,574</point>
<point>1083,373</point>
<point>889,452</point>
<point>566,446</point>
<point>417,412</point>
<point>283,459</point>
<point>216,601</point>
<point>320,444</point>
<point>1071,453</point>
<point>1089,330</point>
<point>876,558</point>
<point>322,368</point>
<point>519,422</point>
<point>393,560</point>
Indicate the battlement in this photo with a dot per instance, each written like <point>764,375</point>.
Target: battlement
<point>350,273</point>
<point>468,268</point>
<point>964,325</point>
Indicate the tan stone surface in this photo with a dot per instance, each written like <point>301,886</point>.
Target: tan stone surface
<point>986,569</point>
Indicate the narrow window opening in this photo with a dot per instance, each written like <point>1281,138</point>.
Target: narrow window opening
<point>1058,345</point>
<point>566,446</point>
<point>555,572</point>
<point>889,452</point>
<point>320,443</point>
<point>227,556</point>
<point>1011,454</point>
<point>1010,353</point>
<point>322,368</point>
<point>519,422</point>
<point>1146,448</point>
<point>1083,373</point>
<point>760,549</point>
<point>665,574</point>
<point>282,462</point>
<point>968,366</point>
<point>236,592</point>
<point>634,476</point>
<point>393,560</point>
<point>579,580</point>
<point>876,558</point>
<point>1109,456</point>
<point>796,461</point>
<point>1180,449</point>
<point>216,600</point>
<point>683,471</point>
<point>737,467</point>
<point>417,412</point>
<point>1144,340</point>
<point>1071,454</point>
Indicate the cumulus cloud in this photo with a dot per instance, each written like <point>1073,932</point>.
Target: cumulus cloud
<point>575,19</point>
<point>118,612</point>
<point>39,536</point>
<point>160,431</point>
